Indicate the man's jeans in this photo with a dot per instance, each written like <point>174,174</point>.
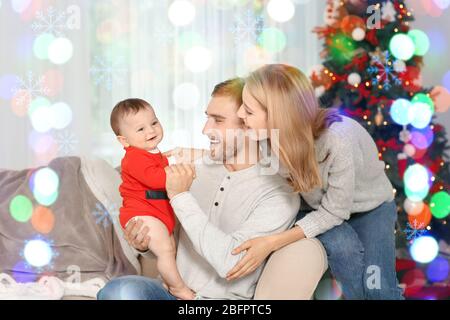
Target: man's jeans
<point>361,254</point>
<point>134,288</point>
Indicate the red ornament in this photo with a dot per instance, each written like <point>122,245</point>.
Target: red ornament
<point>422,220</point>
<point>402,164</point>
<point>350,23</point>
<point>411,79</point>
<point>371,37</point>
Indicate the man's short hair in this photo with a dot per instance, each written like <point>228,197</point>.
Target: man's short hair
<point>232,88</point>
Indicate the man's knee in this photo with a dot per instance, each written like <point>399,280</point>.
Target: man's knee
<point>129,288</point>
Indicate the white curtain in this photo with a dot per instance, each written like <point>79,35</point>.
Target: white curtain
<point>130,48</point>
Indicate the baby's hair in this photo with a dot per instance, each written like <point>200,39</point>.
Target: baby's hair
<point>125,107</point>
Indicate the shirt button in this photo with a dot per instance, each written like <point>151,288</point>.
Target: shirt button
<point>216,204</point>
<point>228,177</point>
<point>221,189</point>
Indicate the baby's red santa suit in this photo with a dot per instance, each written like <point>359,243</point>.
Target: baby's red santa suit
<point>142,171</point>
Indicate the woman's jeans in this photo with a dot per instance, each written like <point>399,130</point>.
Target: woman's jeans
<point>134,288</point>
<point>361,254</point>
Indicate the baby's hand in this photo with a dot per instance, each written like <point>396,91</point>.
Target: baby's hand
<point>136,237</point>
<point>184,155</point>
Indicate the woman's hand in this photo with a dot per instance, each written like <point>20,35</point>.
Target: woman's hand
<point>185,155</point>
<point>136,237</point>
<point>258,249</point>
<point>441,99</point>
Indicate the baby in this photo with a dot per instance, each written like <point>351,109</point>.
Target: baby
<point>138,130</point>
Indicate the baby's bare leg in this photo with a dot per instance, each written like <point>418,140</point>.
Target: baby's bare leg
<point>163,246</point>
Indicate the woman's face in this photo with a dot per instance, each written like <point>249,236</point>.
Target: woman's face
<point>254,116</point>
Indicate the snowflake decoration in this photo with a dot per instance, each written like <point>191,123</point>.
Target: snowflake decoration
<point>103,214</point>
<point>382,69</point>
<point>163,35</point>
<point>247,27</point>
<point>51,21</point>
<point>66,141</point>
<point>32,86</point>
<point>414,230</point>
<point>53,255</point>
<point>106,72</point>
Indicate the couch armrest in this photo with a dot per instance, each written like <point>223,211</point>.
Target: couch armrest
<point>293,272</point>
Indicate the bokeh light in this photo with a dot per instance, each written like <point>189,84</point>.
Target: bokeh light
<point>423,138</point>
<point>61,115</point>
<point>186,96</point>
<point>438,41</point>
<point>281,10</point>
<point>446,80</point>
<point>24,47</point>
<point>421,220</point>
<point>8,83</point>
<point>21,102</point>
<point>440,205</point>
<point>438,270</point>
<point>41,45</point>
<point>189,39</point>
<point>40,114</point>
<point>23,273</point>
<point>413,208</point>
<point>181,12</point>
<point>422,114</point>
<point>401,112</point>
<point>60,51</point>
<point>272,40</point>
<point>423,98</point>
<point>41,143</point>
<point>417,182</point>
<point>198,59</point>
<point>21,208</point>
<point>53,81</point>
<point>414,280</point>
<point>402,47</point>
<point>38,253</point>
<point>424,249</point>
<point>44,184</point>
<point>108,31</point>
<point>255,57</point>
<point>43,220</point>
<point>420,40</point>
<point>20,6</point>
<point>431,8</point>
<point>442,4</point>
<point>30,12</point>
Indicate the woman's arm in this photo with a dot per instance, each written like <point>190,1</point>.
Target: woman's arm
<point>258,249</point>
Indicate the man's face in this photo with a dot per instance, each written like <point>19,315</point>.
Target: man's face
<point>224,128</point>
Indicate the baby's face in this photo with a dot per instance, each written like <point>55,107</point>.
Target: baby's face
<point>141,130</point>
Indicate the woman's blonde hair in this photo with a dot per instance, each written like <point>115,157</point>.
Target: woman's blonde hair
<point>288,98</point>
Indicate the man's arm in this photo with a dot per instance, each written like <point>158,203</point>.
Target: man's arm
<point>272,215</point>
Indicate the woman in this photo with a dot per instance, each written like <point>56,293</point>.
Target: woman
<point>333,163</point>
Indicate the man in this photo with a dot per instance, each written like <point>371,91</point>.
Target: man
<point>228,203</point>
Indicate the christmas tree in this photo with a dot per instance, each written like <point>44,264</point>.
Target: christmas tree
<point>371,72</point>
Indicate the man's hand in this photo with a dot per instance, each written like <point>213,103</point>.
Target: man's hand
<point>179,178</point>
<point>136,237</point>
